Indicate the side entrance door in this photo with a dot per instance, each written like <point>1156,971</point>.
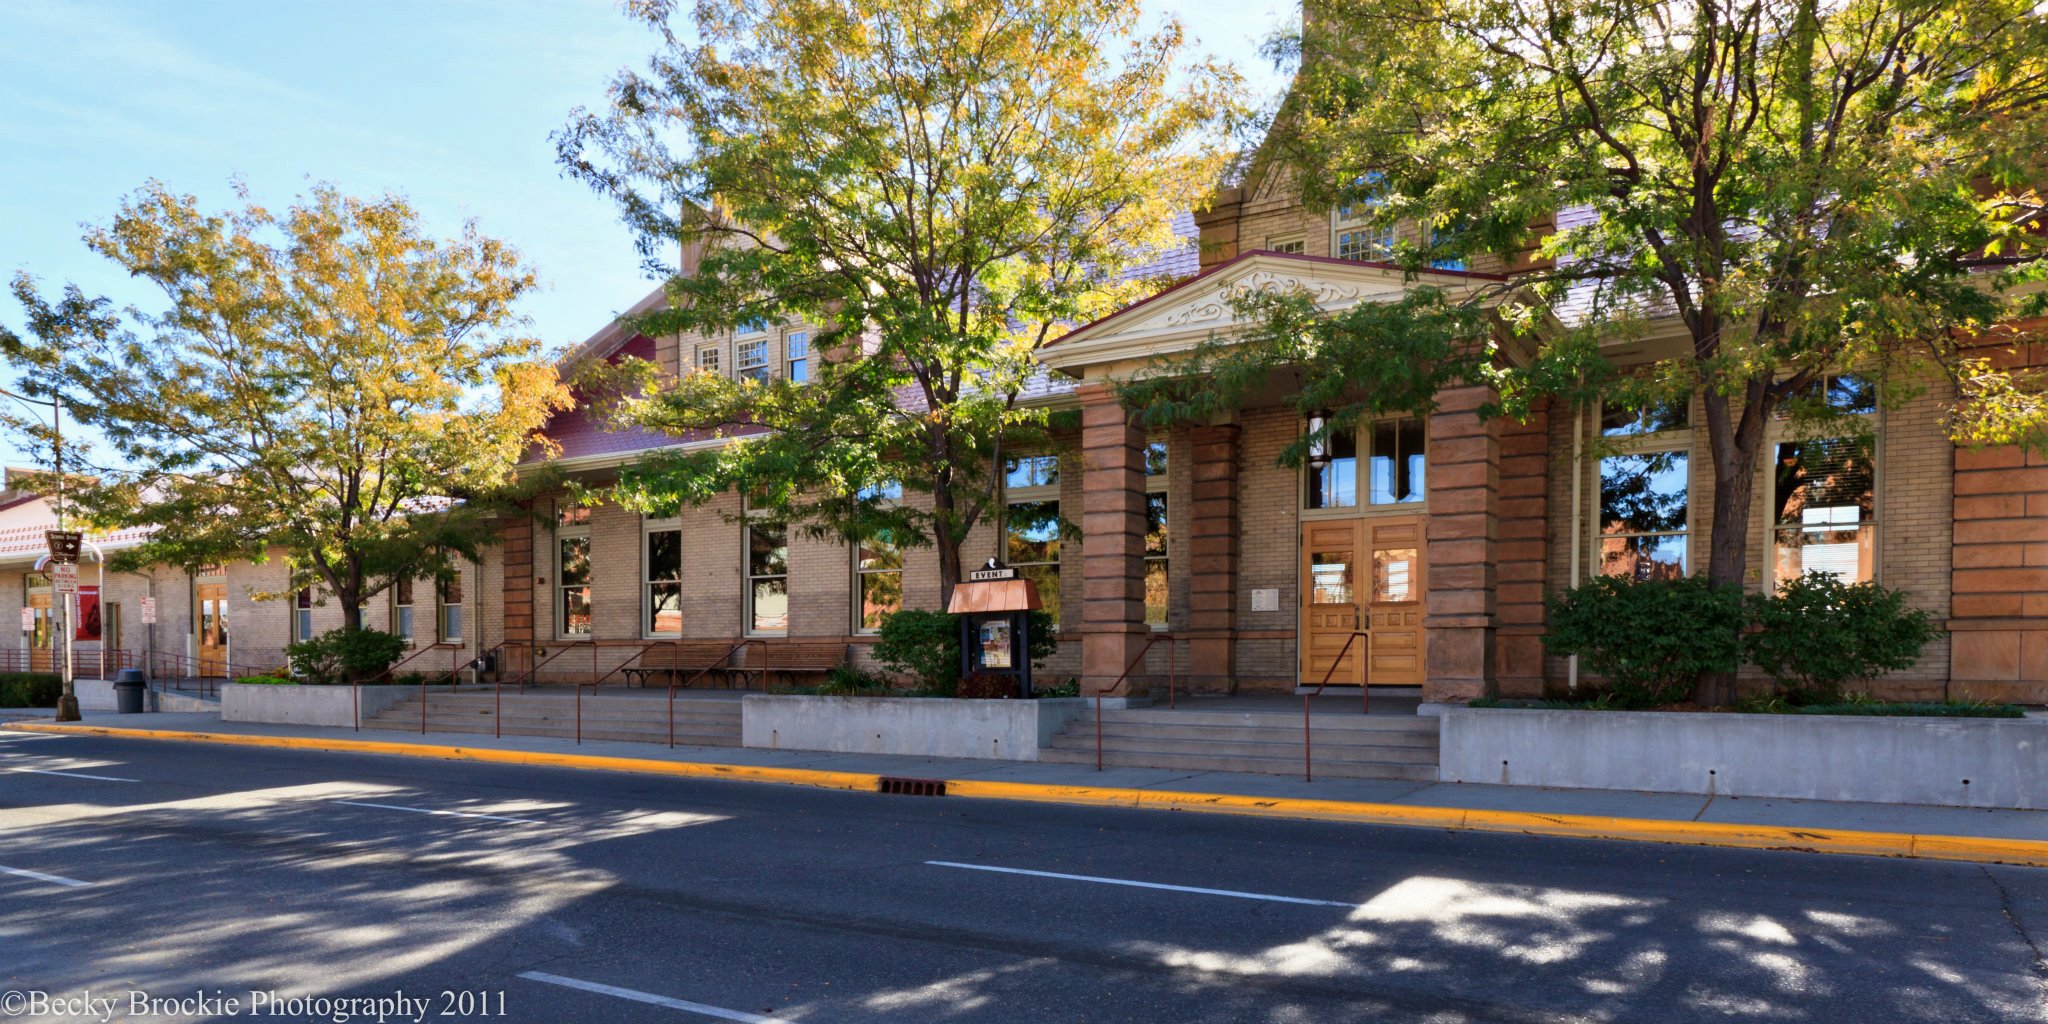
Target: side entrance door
<point>212,599</point>
<point>1332,602</point>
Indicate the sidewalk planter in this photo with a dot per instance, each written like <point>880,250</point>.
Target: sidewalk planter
<point>1944,761</point>
<point>1006,730</point>
<point>307,705</point>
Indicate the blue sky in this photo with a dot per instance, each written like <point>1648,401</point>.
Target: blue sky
<point>449,102</point>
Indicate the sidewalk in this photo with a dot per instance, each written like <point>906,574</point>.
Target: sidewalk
<point>2002,836</point>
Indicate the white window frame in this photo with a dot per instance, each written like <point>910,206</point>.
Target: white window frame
<point>402,613</point>
<point>1676,440</point>
<point>576,529</point>
<point>747,576</point>
<point>302,615</point>
<point>1782,431</point>
<point>796,356</point>
<point>1295,244</point>
<point>709,359</point>
<point>743,366</point>
<point>648,528</point>
<point>442,606</point>
<point>1357,220</point>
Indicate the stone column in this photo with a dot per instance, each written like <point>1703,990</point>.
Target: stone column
<point>1464,516</point>
<point>1113,628</point>
<point>1212,556</point>
<point>1521,554</point>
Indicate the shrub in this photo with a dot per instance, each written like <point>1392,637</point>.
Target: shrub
<point>925,645</point>
<point>338,656</point>
<point>1649,639</point>
<point>263,681</point>
<point>30,689</point>
<point>848,681</point>
<point>1817,634</point>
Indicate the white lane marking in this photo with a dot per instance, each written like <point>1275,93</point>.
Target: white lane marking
<point>637,996</point>
<point>40,877</point>
<point>451,814</point>
<point>1233,893</point>
<point>69,775</point>
<point>31,736</point>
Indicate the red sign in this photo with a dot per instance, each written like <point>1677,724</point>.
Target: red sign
<point>88,614</point>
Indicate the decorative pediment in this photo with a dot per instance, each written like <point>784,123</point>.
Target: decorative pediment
<point>1202,308</point>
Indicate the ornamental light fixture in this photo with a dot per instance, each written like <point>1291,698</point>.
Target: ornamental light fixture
<point>1318,444</point>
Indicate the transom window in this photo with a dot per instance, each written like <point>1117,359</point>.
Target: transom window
<point>797,350</point>
<point>1288,245</point>
<point>1396,466</point>
<point>663,593</point>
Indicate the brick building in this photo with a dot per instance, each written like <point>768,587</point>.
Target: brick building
<point>1442,535</point>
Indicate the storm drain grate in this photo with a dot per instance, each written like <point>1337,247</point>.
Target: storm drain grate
<point>912,787</point>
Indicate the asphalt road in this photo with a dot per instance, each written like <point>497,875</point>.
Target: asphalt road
<point>582,896</point>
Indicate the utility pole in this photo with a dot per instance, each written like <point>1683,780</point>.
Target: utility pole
<point>67,701</point>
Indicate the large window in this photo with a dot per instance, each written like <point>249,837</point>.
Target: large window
<point>767,577</point>
<point>401,608</point>
<point>302,615</point>
<point>1645,512</point>
<point>878,575</point>
<point>797,355</point>
<point>1824,488</point>
<point>448,610</point>
<point>752,361</point>
<point>707,359</point>
<point>663,594</point>
<point>1396,473</point>
<point>1353,236</point>
<point>1031,524</point>
<point>572,571</point>
<point>1157,589</point>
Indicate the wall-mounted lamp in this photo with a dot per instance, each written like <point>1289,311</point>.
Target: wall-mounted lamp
<point>1318,447</point>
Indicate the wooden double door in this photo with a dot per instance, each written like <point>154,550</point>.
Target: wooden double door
<point>42,638</point>
<point>1362,571</point>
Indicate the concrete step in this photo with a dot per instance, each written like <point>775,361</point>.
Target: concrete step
<point>1200,734</point>
<point>1250,748</point>
<point>1270,720</point>
<point>1181,761</point>
<point>690,738</point>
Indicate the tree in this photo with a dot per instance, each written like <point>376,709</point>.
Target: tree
<point>939,187</point>
<point>332,382</point>
<point>1763,192</point>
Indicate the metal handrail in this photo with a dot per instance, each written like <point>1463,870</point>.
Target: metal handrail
<point>579,708</point>
<point>1307,770</point>
<point>684,684</point>
<point>1172,673</point>
<point>535,669</point>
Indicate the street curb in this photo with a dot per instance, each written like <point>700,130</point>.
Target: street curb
<point>1974,849</point>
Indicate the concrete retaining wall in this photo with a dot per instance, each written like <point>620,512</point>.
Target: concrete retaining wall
<point>1010,730</point>
<point>306,705</point>
<point>1982,762</point>
<point>98,695</point>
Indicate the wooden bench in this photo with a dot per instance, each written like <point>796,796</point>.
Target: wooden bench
<point>784,661</point>
<point>680,662</point>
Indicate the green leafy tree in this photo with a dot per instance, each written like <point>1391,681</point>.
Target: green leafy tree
<point>331,382</point>
<point>1756,193</point>
<point>939,187</point>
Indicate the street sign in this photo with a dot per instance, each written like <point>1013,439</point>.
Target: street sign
<point>994,570</point>
<point>64,577</point>
<point>149,611</point>
<point>64,544</point>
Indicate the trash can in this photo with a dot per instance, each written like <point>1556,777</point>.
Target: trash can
<point>129,687</point>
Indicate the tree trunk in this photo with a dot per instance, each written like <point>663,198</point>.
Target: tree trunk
<point>1735,445</point>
